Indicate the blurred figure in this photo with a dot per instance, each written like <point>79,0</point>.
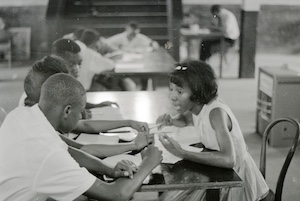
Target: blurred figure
<point>226,22</point>
<point>132,40</point>
<point>94,64</point>
<point>5,37</point>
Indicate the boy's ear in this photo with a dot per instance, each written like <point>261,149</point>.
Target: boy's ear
<point>67,111</point>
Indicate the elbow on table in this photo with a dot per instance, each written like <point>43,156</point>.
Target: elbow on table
<point>228,163</point>
<point>123,195</point>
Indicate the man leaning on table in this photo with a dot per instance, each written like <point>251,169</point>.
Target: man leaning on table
<point>35,163</point>
<point>225,22</point>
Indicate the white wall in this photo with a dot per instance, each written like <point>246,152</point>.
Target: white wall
<point>6,3</point>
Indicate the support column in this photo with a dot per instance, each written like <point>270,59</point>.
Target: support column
<point>174,22</point>
<point>249,18</point>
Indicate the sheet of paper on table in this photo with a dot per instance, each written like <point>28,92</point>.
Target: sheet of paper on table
<point>85,138</point>
<point>125,133</point>
<point>184,136</point>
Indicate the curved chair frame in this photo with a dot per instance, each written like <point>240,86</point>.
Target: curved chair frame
<point>262,167</point>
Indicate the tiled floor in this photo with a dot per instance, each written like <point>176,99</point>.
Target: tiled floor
<point>240,94</point>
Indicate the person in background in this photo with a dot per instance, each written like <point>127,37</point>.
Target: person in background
<point>193,88</point>
<point>35,162</point>
<point>131,40</point>
<point>94,63</point>
<point>5,37</point>
<point>225,22</point>
<point>72,54</point>
<point>101,45</point>
<point>51,65</point>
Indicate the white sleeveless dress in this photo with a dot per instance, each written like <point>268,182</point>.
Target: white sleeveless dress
<point>254,187</point>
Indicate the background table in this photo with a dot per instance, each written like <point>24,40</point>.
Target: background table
<point>194,39</point>
<point>137,105</point>
<point>147,106</point>
<point>154,64</point>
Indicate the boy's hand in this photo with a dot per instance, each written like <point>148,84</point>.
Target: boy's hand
<point>153,155</point>
<point>139,126</point>
<point>142,140</point>
<point>107,103</point>
<point>124,168</point>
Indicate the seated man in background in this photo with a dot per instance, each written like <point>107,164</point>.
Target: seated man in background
<point>131,40</point>
<point>51,65</point>
<point>35,161</point>
<point>227,23</point>
<point>94,63</point>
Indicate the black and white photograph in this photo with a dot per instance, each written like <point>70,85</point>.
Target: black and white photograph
<point>149,100</point>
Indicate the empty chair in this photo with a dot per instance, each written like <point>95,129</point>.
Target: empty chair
<point>279,186</point>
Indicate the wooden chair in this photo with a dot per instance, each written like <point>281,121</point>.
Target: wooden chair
<point>278,193</point>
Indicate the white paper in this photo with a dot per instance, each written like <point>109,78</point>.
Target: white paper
<point>124,133</point>
<point>97,139</point>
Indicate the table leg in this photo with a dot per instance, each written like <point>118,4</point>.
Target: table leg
<point>193,48</point>
<point>212,194</point>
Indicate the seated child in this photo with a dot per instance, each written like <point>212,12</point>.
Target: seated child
<point>193,91</point>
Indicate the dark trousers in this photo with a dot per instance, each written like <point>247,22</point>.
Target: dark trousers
<point>208,47</point>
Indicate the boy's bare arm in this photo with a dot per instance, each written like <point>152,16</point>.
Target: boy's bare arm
<point>96,126</point>
<point>101,150</point>
<point>124,188</point>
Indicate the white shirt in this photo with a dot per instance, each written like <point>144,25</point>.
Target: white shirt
<point>229,24</point>
<point>92,63</point>
<point>121,41</point>
<point>35,163</point>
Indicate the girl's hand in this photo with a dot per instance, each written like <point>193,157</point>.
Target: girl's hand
<point>171,145</point>
<point>139,126</point>
<point>164,120</point>
<point>124,168</point>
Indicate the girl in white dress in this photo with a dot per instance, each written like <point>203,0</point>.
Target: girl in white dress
<point>193,88</point>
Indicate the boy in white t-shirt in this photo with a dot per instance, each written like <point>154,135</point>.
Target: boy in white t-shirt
<point>35,163</point>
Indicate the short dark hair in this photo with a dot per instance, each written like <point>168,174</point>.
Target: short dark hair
<point>199,77</point>
<point>215,8</point>
<point>62,89</point>
<point>89,36</point>
<point>39,73</point>
<point>78,32</point>
<point>63,45</point>
<point>133,24</point>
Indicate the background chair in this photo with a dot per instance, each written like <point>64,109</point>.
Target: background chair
<point>279,186</point>
<point>5,50</point>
